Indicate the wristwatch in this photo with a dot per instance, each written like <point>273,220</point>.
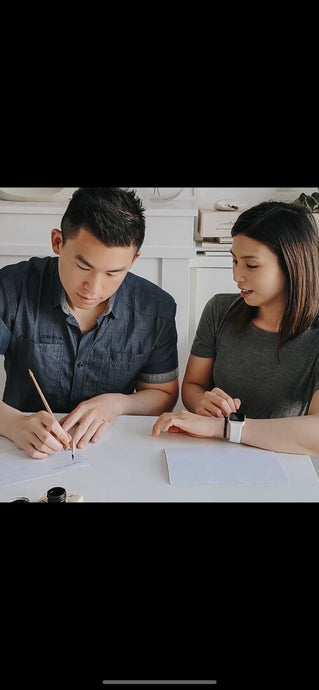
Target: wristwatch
<point>236,423</point>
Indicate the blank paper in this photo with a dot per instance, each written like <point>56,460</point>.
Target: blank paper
<point>16,466</point>
<point>230,464</point>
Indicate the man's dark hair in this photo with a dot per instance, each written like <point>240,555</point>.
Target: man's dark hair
<point>114,215</point>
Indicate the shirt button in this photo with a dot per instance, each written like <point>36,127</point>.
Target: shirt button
<point>80,365</point>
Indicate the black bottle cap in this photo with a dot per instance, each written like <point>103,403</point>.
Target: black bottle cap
<point>56,495</point>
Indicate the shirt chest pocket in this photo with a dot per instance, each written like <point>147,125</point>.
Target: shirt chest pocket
<point>44,358</point>
<point>115,372</point>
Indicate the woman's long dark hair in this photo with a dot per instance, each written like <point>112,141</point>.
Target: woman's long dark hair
<point>290,231</point>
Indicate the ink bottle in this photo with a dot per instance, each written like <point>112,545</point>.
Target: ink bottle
<point>56,495</point>
<point>20,499</point>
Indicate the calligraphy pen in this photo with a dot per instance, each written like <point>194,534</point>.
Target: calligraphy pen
<point>70,446</point>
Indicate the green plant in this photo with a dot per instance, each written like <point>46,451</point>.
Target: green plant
<point>310,200</point>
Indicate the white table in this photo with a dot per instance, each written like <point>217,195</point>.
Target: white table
<point>129,465</point>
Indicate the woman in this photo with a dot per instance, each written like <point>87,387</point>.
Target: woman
<point>257,353</point>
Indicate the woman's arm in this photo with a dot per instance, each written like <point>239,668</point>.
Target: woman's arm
<point>197,392</point>
<point>285,435</point>
<point>197,380</point>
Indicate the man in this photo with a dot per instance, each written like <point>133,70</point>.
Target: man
<point>100,340</point>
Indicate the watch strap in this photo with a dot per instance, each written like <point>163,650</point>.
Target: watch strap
<point>235,431</point>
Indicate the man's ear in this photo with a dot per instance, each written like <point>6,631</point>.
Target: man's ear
<point>136,257</point>
<point>56,240</point>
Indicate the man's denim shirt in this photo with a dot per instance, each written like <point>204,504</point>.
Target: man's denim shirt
<point>136,340</point>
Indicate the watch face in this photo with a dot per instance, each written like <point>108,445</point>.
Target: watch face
<point>237,417</point>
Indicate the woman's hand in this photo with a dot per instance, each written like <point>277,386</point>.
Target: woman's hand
<point>217,403</point>
<point>188,423</point>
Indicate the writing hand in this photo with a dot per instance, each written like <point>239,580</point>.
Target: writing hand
<point>39,434</point>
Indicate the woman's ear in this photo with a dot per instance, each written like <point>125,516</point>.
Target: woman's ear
<point>56,240</point>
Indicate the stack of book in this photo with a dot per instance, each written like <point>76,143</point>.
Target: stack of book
<point>213,234</point>
<point>209,246</point>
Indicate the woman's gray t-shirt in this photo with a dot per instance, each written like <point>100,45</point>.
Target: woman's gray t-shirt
<point>246,366</point>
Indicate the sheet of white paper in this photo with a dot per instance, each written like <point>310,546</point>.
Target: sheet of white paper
<point>228,465</point>
<point>16,466</point>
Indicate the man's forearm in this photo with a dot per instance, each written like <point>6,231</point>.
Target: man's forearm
<point>148,402</point>
<point>7,416</point>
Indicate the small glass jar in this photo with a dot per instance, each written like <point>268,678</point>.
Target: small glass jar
<point>20,499</point>
<point>56,495</point>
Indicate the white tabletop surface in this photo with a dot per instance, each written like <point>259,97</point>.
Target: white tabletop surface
<point>129,465</point>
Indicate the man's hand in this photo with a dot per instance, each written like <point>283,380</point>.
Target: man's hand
<point>92,418</point>
<point>39,434</point>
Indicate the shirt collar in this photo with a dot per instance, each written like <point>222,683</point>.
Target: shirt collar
<point>65,307</point>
